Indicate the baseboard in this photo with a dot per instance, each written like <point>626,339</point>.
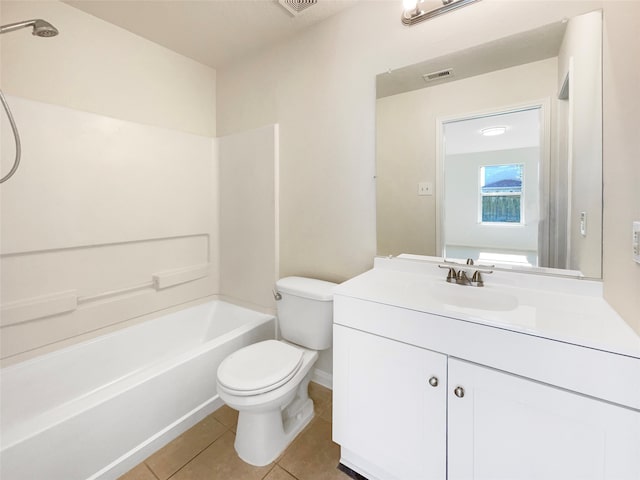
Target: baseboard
<point>154,443</point>
<point>322,378</point>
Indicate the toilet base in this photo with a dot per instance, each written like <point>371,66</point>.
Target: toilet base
<point>263,435</point>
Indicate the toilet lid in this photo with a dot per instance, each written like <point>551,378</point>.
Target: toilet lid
<point>259,368</point>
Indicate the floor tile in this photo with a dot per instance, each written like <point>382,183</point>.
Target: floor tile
<point>173,456</point>
<point>141,472</point>
<point>279,473</point>
<point>321,397</point>
<point>313,456</point>
<point>227,416</point>
<point>319,393</point>
<point>327,413</point>
<point>220,461</point>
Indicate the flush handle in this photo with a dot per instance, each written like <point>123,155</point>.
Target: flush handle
<point>459,392</point>
<point>433,381</point>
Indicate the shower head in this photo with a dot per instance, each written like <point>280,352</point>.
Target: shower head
<point>44,29</point>
<point>40,27</point>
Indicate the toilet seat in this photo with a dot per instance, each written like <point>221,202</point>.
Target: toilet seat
<point>259,368</point>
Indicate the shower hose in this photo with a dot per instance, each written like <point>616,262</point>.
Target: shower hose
<point>16,161</point>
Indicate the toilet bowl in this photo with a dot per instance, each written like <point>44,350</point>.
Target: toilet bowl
<point>267,382</point>
<point>265,426</point>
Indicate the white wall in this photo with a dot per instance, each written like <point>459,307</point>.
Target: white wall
<point>582,48</point>
<point>321,89</point>
<point>97,67</point>
<point>406,146</point>
<point>621,77</point>
<point>248,169</point>
<point>116,182</point>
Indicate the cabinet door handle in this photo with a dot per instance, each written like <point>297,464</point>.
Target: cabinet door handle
<point>459,392</point>
<point>433,381</point>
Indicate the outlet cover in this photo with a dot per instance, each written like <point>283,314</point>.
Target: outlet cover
<point>425,188</point>
<point>583,224</point>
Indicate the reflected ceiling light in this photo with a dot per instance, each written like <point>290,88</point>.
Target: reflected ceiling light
<point>493,131</point>
<point>412,12</point>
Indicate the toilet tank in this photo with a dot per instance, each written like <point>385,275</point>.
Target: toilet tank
<point>305,311</point>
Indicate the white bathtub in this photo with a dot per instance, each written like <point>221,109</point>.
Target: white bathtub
<point>96,409</point>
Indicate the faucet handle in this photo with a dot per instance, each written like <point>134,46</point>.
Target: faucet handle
<point>451,274</point>
<point>476,279</point>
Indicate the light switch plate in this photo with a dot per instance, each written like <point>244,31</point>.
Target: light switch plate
<point>425,188</point>
<point>635,245</point>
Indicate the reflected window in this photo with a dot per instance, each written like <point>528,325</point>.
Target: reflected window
<point>501,192</point>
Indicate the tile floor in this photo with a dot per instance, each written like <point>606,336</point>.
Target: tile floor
<point>205,452</point>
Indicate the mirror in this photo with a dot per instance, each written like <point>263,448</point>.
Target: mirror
<point>529,197</point>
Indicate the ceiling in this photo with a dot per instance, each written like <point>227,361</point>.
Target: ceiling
<point>212,32</point>
<point>519,49</point>
<point>523,130</point>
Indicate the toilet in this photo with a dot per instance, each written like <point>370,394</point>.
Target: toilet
<point>267,382</point>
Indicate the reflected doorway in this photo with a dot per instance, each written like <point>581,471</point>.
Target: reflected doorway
<point>492,187</point>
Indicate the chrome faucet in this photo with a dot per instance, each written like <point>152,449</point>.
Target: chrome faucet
<point>460,277</point>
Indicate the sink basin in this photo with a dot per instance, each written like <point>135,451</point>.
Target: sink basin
<point>476,298</point>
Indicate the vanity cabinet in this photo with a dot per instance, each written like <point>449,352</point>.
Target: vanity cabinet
<point>390,404</point>
<point>411,402</point>
<point>508,427</point>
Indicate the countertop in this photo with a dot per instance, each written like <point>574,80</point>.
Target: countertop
<point>569,310</point>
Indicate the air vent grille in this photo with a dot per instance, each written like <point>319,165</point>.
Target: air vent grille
<point>440,75</point>
<point>296,7</point>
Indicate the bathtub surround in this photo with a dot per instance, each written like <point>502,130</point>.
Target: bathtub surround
<point>122,396</point>
<point>59,285</point>
<point>85,238</point>
<point>118,212</point>
<point>248,230</point>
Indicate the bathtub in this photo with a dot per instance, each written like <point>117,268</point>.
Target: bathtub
<point>96,409</point>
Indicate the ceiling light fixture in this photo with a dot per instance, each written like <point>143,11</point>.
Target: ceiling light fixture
<point>412,12</point>
<point>493,131</point>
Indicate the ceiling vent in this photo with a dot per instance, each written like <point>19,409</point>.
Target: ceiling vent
<point>297,7</point>
<point>440,75</point>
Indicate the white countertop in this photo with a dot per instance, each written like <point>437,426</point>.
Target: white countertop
<point>564,309</point>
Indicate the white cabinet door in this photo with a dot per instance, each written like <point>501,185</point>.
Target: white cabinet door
<point>384,408</point>
<point>506,427</point>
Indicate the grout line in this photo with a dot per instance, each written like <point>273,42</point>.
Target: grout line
<point>197,454</point>
<point>288,471</point>
<point>152,472</point>
<point>270,470</point>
